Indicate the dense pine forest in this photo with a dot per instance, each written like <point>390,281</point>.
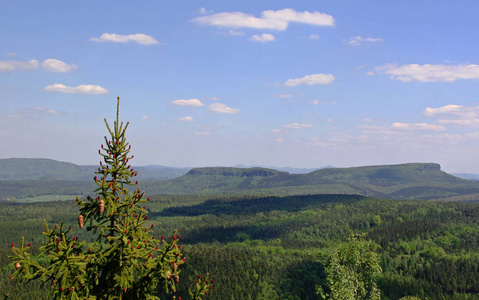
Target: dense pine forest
<point>277,247</point>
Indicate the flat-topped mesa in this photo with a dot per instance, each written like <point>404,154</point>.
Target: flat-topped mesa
<point>240,172</point>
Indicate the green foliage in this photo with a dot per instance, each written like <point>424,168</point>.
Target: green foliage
<point>290,242</point>
<point>125,260</point>
<point>353,271</point>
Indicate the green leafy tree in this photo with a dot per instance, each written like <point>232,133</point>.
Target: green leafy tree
<point>352,272</point>
<point>124,259</point>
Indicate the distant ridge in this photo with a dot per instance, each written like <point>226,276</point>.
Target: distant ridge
<point>49,169</point>
<point>404,181</point>
<point>23,177</point>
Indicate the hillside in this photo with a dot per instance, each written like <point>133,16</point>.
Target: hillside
<point>406,181</point>
<point>49,169</point>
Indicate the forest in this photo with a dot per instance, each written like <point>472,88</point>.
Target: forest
<point>277,247</point>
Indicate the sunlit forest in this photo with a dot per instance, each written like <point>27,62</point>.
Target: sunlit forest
<point>277,247</point>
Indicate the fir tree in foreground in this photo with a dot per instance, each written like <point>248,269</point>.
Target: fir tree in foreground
<point>124,259</point>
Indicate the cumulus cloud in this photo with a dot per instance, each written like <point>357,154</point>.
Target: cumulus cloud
<point>270,19</point>
<point>284,95</point>
<point>186,119</point>
<point>57,66</point>
<point>313,37</point>
<point>399,128</point>
<point>454,115</point>
<point>445,110</point>
<point>187,102</point>
<point>262,38</point>
<point>279,140</point>
<point>235,32</point>
<point>222,109</point>
<point>11,65</point>
<point>144,117</point>
<point>316,102</point>
<point>311,80</point>
<point>204,11</point>
<point>358,40</point>
<point>428,73</point>
<point>85,89</point>
<point>297,126</point>
<point>202,133</point>
<point>417,126</point>
<point>139,38</point>
<point>45,110</point>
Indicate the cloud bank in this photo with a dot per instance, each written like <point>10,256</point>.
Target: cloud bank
<point>57,66</point>
<point>311,80</point>
<point>187,102</point>
<point>428,73</point>
<point>11,65</point>
<point>84,89</point>
<point>270,19</point>
<point>222,109</point>
<point>139,38</point>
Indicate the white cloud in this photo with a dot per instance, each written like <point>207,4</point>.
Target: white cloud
<point>297,126</point>
<point>45,110</point>
<point>57,66</point>
<point>202,133</point>
<point>398,128</point>
<point>279,140</point>
<point>284,95</point>
<point>11,65</point>
<point>358,40</point>
<point>186,119</point>
<point>445,110</point>
<point>211,98</point>
<point>311,80</point>
<point>234,32</point>
<point>316,102</point>
<point>222,108</point>
<point>418,126</point>
<point>204,11</point>
<point>188,102</point>
<point>270,19</point>
<point>313,37</point>
<point>428,73</point>
<point>139,38</point>
<point>144,117</point>
<point>262,38</point>
<point>81,89</point>
<point>455,115</point>
<point>11,54</point>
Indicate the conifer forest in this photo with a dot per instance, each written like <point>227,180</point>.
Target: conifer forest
<point>122,242</point>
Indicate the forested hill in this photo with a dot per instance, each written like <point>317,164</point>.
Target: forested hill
<point>21,178</point>
<point>406,181</point>
<point>49,169</point>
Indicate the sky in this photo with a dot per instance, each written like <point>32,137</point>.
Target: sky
<point>281,83</point>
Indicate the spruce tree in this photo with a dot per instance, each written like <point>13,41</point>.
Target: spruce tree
<point>124,259</point>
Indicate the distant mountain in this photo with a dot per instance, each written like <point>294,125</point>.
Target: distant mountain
<point>406,181</point>
<point>31,177</point>
<point>286,169</point>
<point>49,169</point>
<point>468,176</point>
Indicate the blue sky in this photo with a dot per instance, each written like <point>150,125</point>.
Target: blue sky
<point>220,83</point>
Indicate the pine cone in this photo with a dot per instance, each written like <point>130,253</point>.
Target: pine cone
<point>102,206</point>
<point>80,221</point>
